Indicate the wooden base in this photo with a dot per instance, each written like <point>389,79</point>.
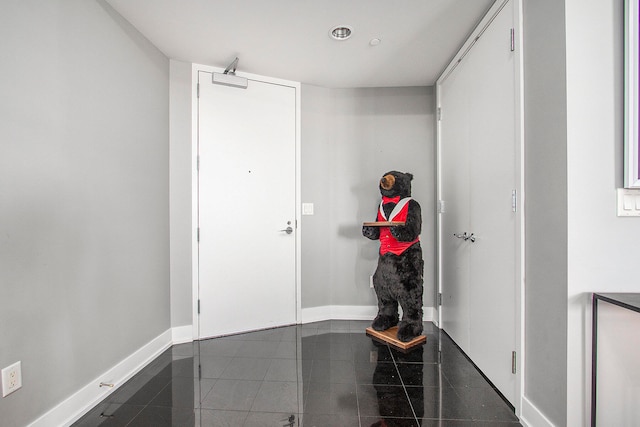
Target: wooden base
<point>390,336</point>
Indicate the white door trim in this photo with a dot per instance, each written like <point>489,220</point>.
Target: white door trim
<point>194,186</point>
<point>520,232</point>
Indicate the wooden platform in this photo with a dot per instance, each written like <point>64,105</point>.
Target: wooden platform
<point>390,336</point>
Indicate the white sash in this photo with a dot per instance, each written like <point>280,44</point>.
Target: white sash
<point>396,210</point>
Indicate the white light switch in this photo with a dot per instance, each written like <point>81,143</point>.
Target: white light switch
<point>628,202</point>
<point>307,209</point>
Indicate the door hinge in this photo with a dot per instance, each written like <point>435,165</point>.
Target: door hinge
<point>197,90</point>
<point>514,200</point>
<point>440,298</point>
<point>441,206</point>
<point>198,163</point>
<point>439,357</point>
<point>513,362</point>
<point>512,32</point>
<point>198,234</point>
<point>439,113</point>
<point>198,306</point>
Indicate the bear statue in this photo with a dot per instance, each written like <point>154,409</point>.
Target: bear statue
<point>399,275</point>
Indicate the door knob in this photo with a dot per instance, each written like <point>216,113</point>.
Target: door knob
<point>288,230</point>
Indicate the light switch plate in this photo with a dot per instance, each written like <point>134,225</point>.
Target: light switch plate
<point>628,202</point>
<point>307,209</point>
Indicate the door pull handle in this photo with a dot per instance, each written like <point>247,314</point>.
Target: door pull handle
<point>288,230</point>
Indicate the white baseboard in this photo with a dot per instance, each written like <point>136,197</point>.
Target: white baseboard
<point>182,334</point>
<point>74,407</point>
<point>349,312</point>
<point>531,415</point>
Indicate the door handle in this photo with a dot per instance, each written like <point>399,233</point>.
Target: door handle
<point>464,236</point>
<point>288,230</point>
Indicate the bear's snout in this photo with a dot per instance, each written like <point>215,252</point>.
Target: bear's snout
<point>387,182</point>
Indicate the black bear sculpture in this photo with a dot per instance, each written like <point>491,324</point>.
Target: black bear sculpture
<point>399,275</point>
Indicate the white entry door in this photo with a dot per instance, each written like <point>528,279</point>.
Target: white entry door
<point>247,206</point>
<point>480,259</point>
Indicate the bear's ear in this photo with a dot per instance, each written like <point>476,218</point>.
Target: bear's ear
<point>410,176</point>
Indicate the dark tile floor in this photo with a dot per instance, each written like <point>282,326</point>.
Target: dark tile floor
<point>327,374</point>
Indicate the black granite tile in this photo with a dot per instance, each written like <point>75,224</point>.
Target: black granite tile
<point>213,366</point>
<point>140,390</point>
<point>486,405</point>
<point>330,399</point>
<point>286,350</point>
<point>384,401</point>
<point>220,347</point>
<point>218,418</point>
<point>179,393</point>
<point>326,374</point>
<point>384,373</point>
<point>241,368</point>
<point>236,395</point>
<point>325,420</point>
<point>277,396</point>
<point>271,419</point>
<point>283,370</point>
<point>161,416</point>
<point>333,371</point>
<point>388,422</point>
<point>438,403</point>
<point>110,415</point>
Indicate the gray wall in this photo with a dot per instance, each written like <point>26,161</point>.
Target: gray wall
<point>546,208</point>
<point>181,194</point>
<point>350,137</point>
<point>84,197</point>
<point>603,248</point>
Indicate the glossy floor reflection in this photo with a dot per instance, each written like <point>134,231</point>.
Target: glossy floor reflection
<point>319,374</point>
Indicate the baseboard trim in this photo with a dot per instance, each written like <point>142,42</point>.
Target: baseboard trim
<point>349,312</point>
<point>182,334</point>
<point>74,407</point>
<point>531,416</point>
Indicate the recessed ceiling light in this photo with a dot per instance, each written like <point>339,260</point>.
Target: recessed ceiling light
<point>341,32</point>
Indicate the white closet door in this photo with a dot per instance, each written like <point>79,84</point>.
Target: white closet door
<point>247,262</point>
<point>478,176</point>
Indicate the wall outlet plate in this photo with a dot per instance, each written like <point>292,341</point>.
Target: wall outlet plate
<point>11,379</point>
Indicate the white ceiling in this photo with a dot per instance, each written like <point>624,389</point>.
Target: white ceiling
<point>289,39</point>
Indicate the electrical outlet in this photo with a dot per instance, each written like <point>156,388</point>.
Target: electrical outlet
<point>11,379</point>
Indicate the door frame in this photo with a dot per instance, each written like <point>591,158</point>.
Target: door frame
<point>195,282</point>
<point>519,154</point>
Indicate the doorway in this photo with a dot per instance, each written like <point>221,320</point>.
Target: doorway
<point>247,205</point>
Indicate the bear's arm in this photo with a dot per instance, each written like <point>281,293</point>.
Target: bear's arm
<point>372,233</point>
<point>413,226</point>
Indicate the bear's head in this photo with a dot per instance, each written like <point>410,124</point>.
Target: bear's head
<point>395,183</point>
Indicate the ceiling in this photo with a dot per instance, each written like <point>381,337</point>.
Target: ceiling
<point>289,39</point>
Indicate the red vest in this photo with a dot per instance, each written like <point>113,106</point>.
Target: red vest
<point>388,243</point>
